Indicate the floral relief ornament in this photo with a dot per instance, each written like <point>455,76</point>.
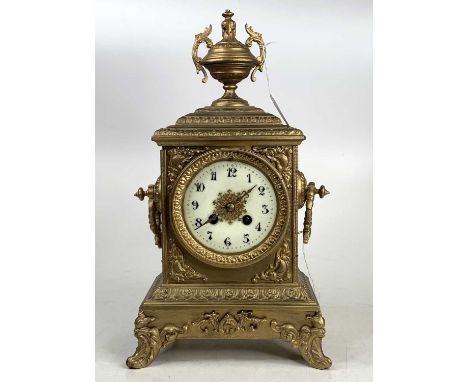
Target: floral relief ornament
<point>228,323</point>
<point>151,339</point>
<point>308,339</point>
<point>178,270</point>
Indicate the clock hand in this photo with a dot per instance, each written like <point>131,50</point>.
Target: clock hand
<point>213,218</point>
<point>246,193</point>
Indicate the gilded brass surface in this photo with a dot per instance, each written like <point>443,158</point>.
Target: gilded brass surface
<point>229,61</point>
<point>257,37</point>
<point>229,294</point>
<point>178,270</point>
<point>310,193</point>
<point>230,206</point>
<point>300,189</point>
<point>279,270</point>
<point>308,339</point>
<point>199,38</point>
<point>154,208</point>
<point>229,323</point>
<point>151,340</point>
<point>256,294</point>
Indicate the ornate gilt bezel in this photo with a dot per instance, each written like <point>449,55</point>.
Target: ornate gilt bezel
<point>239,259</point>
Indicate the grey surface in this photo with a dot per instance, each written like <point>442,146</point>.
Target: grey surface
<point>145,79</point>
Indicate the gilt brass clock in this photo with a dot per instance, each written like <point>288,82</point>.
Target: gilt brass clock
<point>224,211</point>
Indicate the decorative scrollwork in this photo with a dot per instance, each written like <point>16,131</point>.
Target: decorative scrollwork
<point>308,339</point>
<point>257,37</point>
<point>279,271</point>
<point>178,270</point>
<point>199,38</point>
<point>229,323</point>
<point>151,339</point>
<point>280,156</point>
<point>225,294</point>
<point>178,158</point>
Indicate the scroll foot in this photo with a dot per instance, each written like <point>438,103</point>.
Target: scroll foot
<point>151,340</point>
<point>308,339</point>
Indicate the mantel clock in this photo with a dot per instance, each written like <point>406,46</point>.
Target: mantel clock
<point>225,213</point>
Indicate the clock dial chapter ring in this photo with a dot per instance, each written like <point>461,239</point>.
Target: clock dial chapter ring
<point>229,206</point>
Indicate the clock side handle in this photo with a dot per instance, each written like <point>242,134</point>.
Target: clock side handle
<point>154,208</point>
<point>306,194</point>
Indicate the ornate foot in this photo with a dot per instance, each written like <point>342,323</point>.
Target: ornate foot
<point>151,340</point>
<point>308,339</point>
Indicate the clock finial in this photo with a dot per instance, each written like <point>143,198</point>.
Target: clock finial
<point>229,61</point>
<point>228,26</point>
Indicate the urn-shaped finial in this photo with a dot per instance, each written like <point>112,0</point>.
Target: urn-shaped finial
<point>229,61</point>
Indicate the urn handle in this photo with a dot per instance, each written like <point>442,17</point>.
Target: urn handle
<point>197,60</point>
<point>257,37</point>
<point>154,208</point>
<point>310,193</point>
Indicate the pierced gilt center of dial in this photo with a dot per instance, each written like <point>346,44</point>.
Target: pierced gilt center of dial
<point>230,206</point>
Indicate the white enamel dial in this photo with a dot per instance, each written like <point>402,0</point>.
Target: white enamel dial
<point>230,206</point>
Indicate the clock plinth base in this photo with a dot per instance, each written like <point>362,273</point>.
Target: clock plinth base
<point>273,311</point>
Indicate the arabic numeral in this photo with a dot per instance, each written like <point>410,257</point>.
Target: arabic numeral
<point>265,209</point>
<point>258,227</point>
<point>249,178</point>
<point>195,204</point>
<point>210,235</point>
<point>232,172</point>
<point>246,238</point>
<point>227,242</point>
<point>198,222</point>
<point>213,175</point>
<point>261,190</point>
<point>200,187</point>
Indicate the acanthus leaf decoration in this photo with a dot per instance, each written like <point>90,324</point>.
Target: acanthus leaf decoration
<point>223,294</point>
<point>151,339</point>
<point>279,270</point>
<point>280,157</point>
<point>178,270</point>
<point>308,339</point>
<point>178,158</point>
<point>229,323</point>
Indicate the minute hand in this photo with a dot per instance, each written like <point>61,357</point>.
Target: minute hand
<point>245,194</point>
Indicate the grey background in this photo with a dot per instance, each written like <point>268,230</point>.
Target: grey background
<point>320,69</point>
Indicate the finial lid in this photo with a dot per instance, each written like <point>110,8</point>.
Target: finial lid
<point>227,13</point>
<point>229,61</point>
<point>228,26</point>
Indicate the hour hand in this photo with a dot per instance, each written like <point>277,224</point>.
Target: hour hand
<point>213,218</point>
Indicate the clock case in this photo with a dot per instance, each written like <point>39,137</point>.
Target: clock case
<point>269,298</point>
